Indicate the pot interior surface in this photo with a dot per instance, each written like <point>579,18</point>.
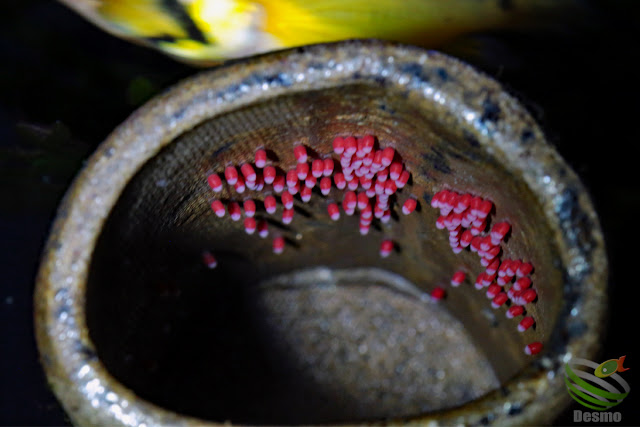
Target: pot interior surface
<point>327,331</point>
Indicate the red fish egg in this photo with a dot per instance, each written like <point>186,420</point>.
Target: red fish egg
<point>250,225</point>
<point>395,170</point>
<point>348,177</point>
<point>339,180</point>
<point>465,238</point>
<point>270,204</point>
<point>504,280</point>
<point>387,156</point>
<point>456,220</point>
<point>458,278</point>
<point>475,243</point>
<point>235,211</point>
<point>514,311</point>
<point>209,260</point>
<point>484,209</point>
<point>378,187</point>
<point>456,232</point>
<point>360,152</point>
<point>231,175</point>
<point>524,269</point>
<point>334,211</point>
<point>492,268</point>
<point>249,207</point>
<point>349,211</point>
<point>294,190</point>
<point>382,175</point>
<point>465,223</point>
<point>368,142</point>
<point>367,212</point>
<point>305,194</point>
<point>436,200</point>
<point>485,243</point>
<point>386,217</point>
<point>327,167</point>
<point>263,228</point>
<point>287,200</point>
<point>533,348</point>
<point>317,168</point>
<point>365,183</point>
<point>338,145</point>
<point>437,294</point>
<point>450,200</point>
<point>248,172</point>
<point>353,184</point>
<point>350,146</point>
<point>499,231</point>
<point>386,247</point>
<point>487,279</point>
<point>261,158</point>
<point>493,290</point>
<point>529,295</point>
<point>269,173</point>
<point>504,266</point>
<point>363,201</point>
<point>454,239</point>
<point>215,182</point>
<point>457,249</point>
<point>292,178</point>
<point>278,245</point>
<point>480,279</point>
<point>251,185</point>
<point>403,179</point>
<point>409,206</point>
<point>259,183</point>
<point>368,159</point>
<point>364,229</point>
<point>474,205</point>
<point>350,200</point>
<point>512,268</point>
<point>355,164</point>
<point>310,181</point>
<point>526,323</point>
<point>278,184</point>
<point>302,171</point>
<point>492,253</point>
<point>239,185</point>
<point>325,186</point>
<point>300,153</point>
<point>218,208</point>
<point>440,223</point>
<point>390,188</point>
<point>287,216</point>
<point>462,203</point>
<point>345,162</point>
<point>377,160</point>
<point>378,211</point>
<point>522,283</point>
<point>484,262</point>
<point>499,300</point>
<point>480,224</point>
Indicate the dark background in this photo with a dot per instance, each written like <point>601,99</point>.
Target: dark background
<point>64,85</point>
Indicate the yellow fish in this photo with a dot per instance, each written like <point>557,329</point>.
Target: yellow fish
<point>206,31</point>
<point>610,367</point>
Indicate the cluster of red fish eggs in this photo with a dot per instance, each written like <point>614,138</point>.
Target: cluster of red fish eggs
<point>466,217</point>
<point>368,178</point>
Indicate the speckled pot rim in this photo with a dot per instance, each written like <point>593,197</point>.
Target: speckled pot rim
<point>92,397</point>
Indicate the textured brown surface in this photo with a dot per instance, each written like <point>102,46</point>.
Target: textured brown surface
<point>455,129</point>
